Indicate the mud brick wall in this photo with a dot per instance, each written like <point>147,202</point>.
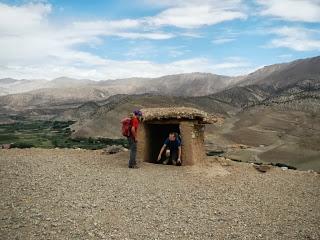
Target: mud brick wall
<point>187,153</point>
<point>142,151</point>
<point>192,135</point>
<point>198,143</point>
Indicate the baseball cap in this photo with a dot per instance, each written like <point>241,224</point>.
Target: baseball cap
<point>137,112</point>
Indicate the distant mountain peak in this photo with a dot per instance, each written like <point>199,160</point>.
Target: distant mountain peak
<point>8,80</point>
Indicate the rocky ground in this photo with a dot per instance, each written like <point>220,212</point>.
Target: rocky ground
<point>79,194</point>
<point>288,137</point>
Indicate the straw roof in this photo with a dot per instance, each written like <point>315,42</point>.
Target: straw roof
<point>179,113</point>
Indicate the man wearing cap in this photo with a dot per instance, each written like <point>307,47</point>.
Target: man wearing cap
<point>132,139</point>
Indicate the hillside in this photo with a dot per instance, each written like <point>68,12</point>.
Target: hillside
<point>191,84</point>
<point>64,89</point>
<point>13,86</point>
<point>281,76</point>
<point>104,120</point>
<point>285,132</point>
<point>281,83</point>
<point>267,82</point>
<point>277,120</point>
<point>52,96</point>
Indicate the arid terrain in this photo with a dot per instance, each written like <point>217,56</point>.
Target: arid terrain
<point>81,194</point>
<point>215,103</point>
<point>53,189</point>
<point>273,112</point>
<point>270,135</point>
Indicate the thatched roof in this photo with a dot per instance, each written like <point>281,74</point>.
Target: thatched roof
<point>180,113</point>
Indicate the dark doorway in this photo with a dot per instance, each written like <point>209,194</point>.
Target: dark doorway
<point>156,135</point>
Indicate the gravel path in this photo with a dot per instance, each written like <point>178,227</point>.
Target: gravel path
<point>80,194</point>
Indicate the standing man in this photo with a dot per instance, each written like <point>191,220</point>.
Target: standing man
<point>172,145</point>
<point>132,139</point>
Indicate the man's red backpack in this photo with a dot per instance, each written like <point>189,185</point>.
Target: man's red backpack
<point>126,126</point>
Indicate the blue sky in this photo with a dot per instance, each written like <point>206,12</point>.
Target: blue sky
<point>148,38</point>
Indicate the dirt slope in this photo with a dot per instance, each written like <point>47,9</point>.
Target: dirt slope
<point>271,135</point>
<point>286,74</point>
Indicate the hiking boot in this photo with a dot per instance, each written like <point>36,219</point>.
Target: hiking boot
<point>174,162</point>
<point>165,162</point>
<point>135,166</point>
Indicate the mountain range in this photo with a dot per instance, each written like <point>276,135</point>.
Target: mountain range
<point>267,80</point>
<point>275,111</point>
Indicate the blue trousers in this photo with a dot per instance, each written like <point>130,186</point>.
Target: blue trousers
<point>133,152</point>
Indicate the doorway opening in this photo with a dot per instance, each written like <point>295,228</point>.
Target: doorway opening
<point>156,135</point>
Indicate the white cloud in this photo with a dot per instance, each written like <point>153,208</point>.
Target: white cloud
<point>226,35</point>
<point>292,10</point>
<point>285,56</point>
<point>195,16</point>
<point>23,18</point>
<point>27,37</point>
<point>191,34</point>
<point>127,28</point>
<point>296,38</point>
<point>222,40</point>
<point>152,36</point>
<point>111,69</point>
<point>178,3</point>
<point>32,47</point>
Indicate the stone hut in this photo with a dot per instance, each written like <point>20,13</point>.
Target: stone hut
<point>189,123</point>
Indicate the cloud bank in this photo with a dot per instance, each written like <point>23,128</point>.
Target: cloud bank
<point>32,45</point>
